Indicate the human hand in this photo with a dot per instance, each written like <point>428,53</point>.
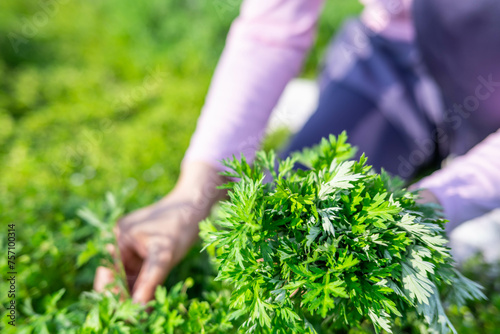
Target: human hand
<point>426,196</point>
<point>152,240</point>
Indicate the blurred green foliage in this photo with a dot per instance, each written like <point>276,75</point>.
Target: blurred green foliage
<point>95,97</point>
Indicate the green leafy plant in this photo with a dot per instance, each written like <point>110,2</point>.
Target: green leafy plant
<point>335,241</point>
<point>172,312</point>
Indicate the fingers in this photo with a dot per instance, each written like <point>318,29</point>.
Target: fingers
<point>115,261</point>
<point>103,277</point>
<point>153,273</point>
<point>426,196</point>
<point>128,257</point>
<point>150,241</point>
<point>132,264</point>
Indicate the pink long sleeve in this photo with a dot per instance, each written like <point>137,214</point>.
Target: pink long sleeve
<point>265,48</point>
<point>470,186</point>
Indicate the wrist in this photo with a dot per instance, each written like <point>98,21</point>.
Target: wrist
<point>198,183</point>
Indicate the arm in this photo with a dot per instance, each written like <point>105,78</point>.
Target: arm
<point>390,18</point>
<point>470,186</point>
<point>265,48</point>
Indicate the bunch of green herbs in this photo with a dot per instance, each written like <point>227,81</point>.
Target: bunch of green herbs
<point>334,241</point>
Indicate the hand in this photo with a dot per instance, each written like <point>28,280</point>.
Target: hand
<point>154,239</point>
<point>426,196</point>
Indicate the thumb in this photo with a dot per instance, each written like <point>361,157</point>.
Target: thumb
<point>153,273</point>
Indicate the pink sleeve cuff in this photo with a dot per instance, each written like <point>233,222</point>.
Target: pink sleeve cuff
<point>470,186</point>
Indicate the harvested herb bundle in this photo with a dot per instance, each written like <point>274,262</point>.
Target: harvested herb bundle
<point>335,241</point>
